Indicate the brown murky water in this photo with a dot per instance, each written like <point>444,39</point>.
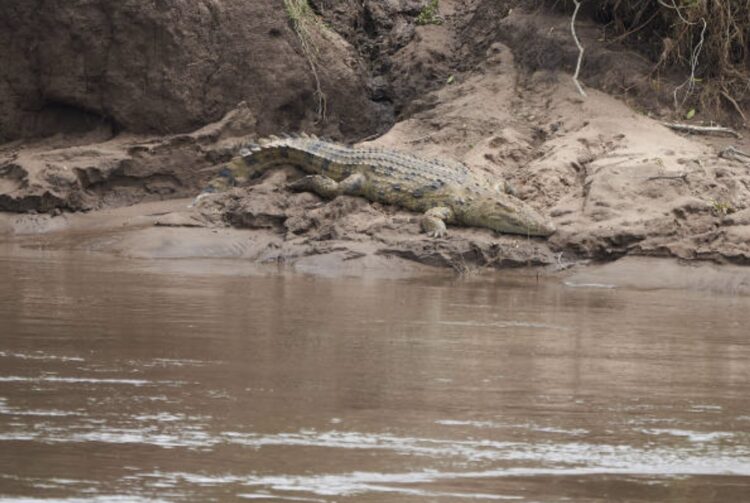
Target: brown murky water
<point>211,381</point>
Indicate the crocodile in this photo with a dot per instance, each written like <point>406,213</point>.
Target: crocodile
<point>444,190</point>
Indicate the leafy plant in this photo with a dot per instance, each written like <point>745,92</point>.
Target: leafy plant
<point>721,208</point>
<point>430,14</point>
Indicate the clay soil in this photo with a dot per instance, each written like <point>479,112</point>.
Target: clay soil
<point>489,87</point>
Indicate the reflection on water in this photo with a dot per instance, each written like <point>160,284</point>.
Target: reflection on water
<point>121,382</point>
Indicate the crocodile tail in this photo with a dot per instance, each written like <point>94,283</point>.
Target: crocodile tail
<point>258,157</point>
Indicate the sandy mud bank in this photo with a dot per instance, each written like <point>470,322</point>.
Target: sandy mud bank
<point>615,181</point>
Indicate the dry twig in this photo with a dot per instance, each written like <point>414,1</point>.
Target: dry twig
<point>682,177</point>
<point>735,154</point>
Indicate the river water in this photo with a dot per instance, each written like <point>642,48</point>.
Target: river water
<point>125,380</point>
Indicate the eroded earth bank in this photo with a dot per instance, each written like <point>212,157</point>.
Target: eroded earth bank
<point>114,117</point>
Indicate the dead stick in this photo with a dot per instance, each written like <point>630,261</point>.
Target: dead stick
<point>682,177</point>
<point>732,153</point>
<point>702,129</point>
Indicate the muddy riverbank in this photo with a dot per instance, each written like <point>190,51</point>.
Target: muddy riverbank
<point>166,231</point>
<point>615,181</point>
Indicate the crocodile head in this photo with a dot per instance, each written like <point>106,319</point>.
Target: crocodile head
<point>507,214</point>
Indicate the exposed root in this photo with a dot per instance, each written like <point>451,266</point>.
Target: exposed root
<point>736,105</point>
<point>689,83</point>
<point>708,39</point>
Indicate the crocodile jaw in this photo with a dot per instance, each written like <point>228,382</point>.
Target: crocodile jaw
<point>508,215</point>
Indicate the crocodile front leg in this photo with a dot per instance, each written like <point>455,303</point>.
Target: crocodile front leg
<point>433,221</point>
<point>328,188</point>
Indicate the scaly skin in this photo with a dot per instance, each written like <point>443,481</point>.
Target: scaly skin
<point>444,191</point>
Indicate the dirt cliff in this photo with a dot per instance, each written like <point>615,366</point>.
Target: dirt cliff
<point>171,66</point>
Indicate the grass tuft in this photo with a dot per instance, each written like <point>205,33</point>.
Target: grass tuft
<point>304,22</point>
<point>430,14</point>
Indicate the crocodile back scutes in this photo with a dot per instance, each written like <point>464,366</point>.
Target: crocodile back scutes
<point>338,161</point>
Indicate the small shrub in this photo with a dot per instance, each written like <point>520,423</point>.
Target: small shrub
<point>429,14</point>
<point>721,208</point>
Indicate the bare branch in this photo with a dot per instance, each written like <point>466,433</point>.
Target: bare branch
<point>580,47</point>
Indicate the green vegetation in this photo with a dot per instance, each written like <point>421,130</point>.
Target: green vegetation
<point>305,22</point>
<point>721,208</point>
<point>430,14</point>
<point>299,12</point>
